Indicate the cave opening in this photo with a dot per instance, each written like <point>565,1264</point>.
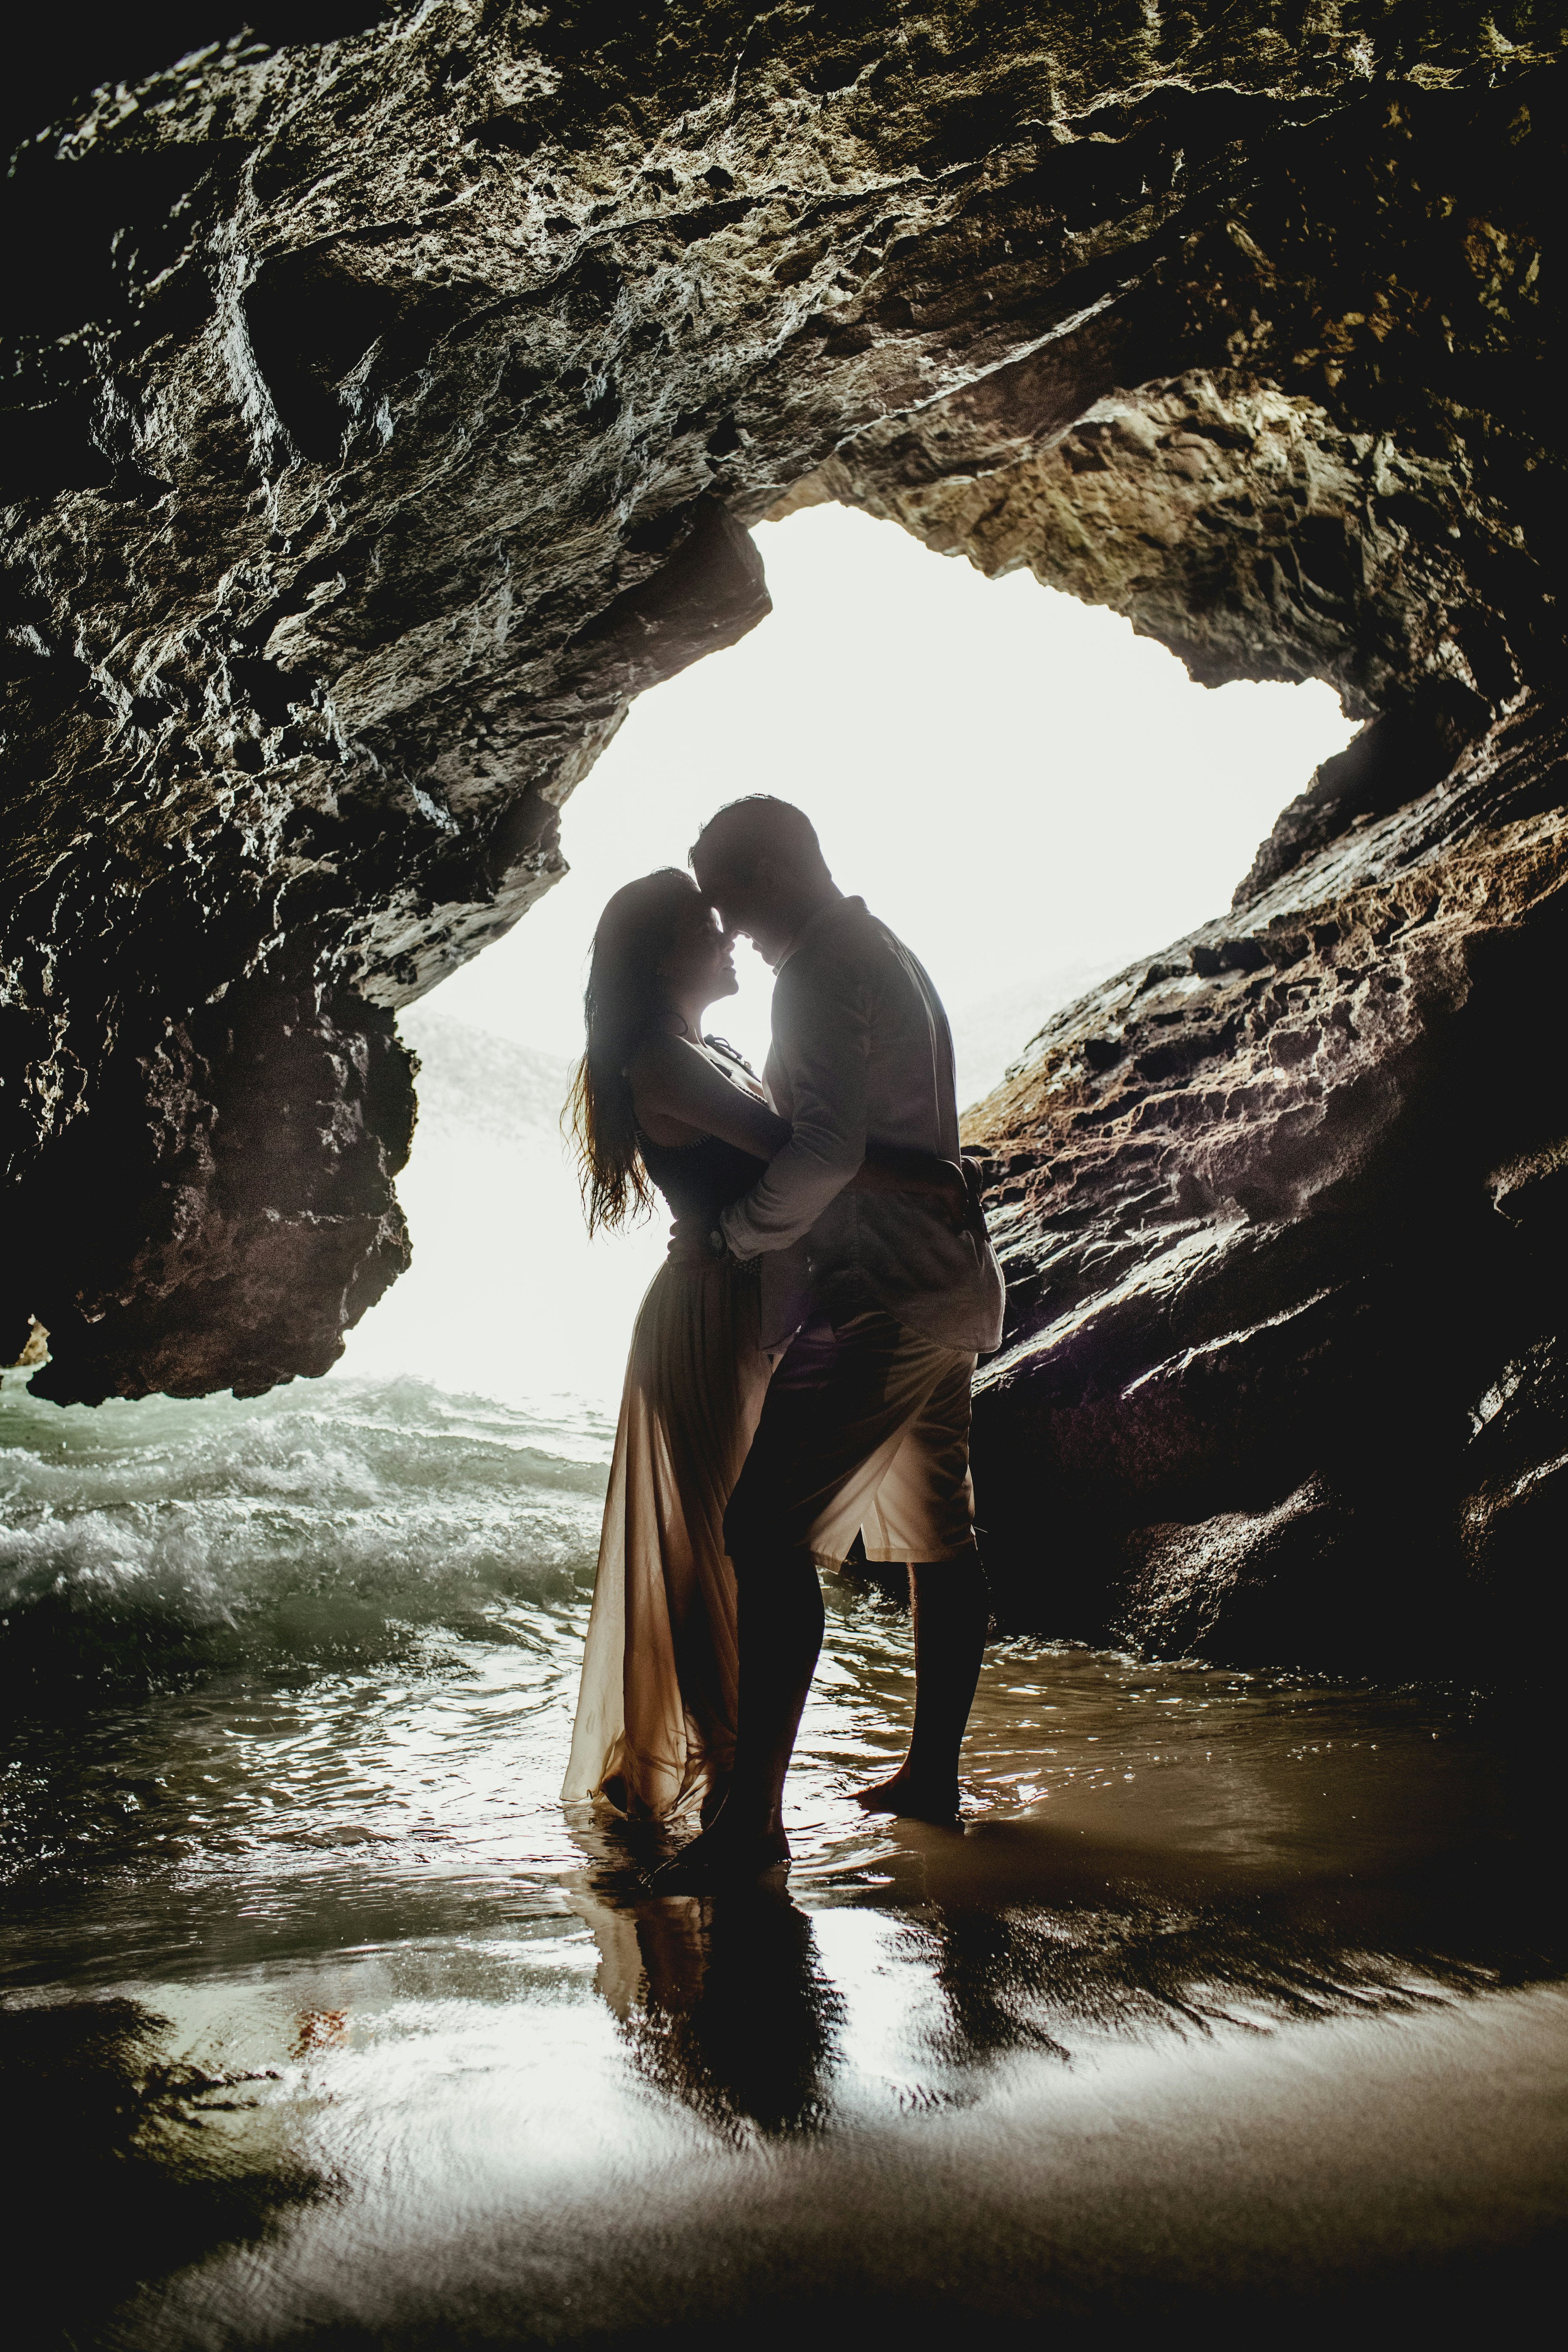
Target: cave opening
<point>1034,795</point>
<point>1030,793</point>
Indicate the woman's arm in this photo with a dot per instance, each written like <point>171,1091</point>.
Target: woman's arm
<point>673,1079</point>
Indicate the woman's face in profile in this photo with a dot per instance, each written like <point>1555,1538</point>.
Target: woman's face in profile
<point>701,961</point>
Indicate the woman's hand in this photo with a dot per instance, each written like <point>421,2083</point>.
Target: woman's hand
<point>898,1168</point>
<point>689,1246</point>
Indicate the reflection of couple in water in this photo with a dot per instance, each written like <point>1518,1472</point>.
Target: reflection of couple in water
<point>800,1369</point>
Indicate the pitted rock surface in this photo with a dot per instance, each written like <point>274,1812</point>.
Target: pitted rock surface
<point>1281,1214</point>
<point>387,396</point>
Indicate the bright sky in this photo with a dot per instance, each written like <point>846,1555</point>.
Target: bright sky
<point>1029,794</point>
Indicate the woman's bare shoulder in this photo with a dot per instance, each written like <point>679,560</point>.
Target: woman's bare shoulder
<point>659,1050</point>
<point>670,1073</point>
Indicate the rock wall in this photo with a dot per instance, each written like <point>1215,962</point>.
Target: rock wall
<point>1281,1210</point>
<point>387,395</point>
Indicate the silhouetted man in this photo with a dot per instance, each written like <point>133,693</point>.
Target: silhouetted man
<point>890,1296</point>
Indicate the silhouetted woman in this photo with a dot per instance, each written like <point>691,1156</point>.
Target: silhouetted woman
<point>657,1105</point>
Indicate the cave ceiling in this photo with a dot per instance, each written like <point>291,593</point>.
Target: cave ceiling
<point>388,395</point>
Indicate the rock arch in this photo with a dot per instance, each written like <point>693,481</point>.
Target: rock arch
<point>385,409</point>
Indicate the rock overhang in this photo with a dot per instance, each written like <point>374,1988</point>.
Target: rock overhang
<point>384,411</point>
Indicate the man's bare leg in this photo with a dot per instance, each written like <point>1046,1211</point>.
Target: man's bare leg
<point>779,1632</point>
<point>951,1605</point>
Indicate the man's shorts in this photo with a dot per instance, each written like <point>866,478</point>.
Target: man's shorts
<point>865,1429</point>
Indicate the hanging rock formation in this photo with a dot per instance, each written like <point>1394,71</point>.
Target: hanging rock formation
<point>387,396</point>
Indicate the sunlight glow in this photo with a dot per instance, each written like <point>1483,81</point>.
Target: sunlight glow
<point>1028,792</point>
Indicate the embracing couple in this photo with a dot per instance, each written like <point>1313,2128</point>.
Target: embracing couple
<point>800,1370</point>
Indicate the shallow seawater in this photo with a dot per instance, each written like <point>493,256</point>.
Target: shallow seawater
<point>327,2023</point>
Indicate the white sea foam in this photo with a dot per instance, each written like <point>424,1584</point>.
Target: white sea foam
<point>318,1521</point>
<point>451,1468</point>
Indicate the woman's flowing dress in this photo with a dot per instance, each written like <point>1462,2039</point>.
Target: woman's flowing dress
<point>655,1727</point>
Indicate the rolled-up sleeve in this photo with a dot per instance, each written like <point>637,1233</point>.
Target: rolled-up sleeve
<point>822,1037</point>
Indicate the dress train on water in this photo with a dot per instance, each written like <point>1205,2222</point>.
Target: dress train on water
<point>655,1729</point>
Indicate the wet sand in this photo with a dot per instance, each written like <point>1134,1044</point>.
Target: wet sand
<point>1237,1999</point>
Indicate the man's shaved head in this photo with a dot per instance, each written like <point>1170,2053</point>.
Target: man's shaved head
<point>750,834</point>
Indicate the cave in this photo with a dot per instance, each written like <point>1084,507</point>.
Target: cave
<point>391,397</point>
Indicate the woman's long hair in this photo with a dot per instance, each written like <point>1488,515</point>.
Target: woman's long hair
<point>624,1000</point>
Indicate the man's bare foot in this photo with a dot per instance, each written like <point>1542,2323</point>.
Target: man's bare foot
<point>915,1800</point>
<point>721,1857</point>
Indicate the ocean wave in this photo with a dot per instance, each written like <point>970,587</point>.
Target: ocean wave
<point>148,1542</point>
